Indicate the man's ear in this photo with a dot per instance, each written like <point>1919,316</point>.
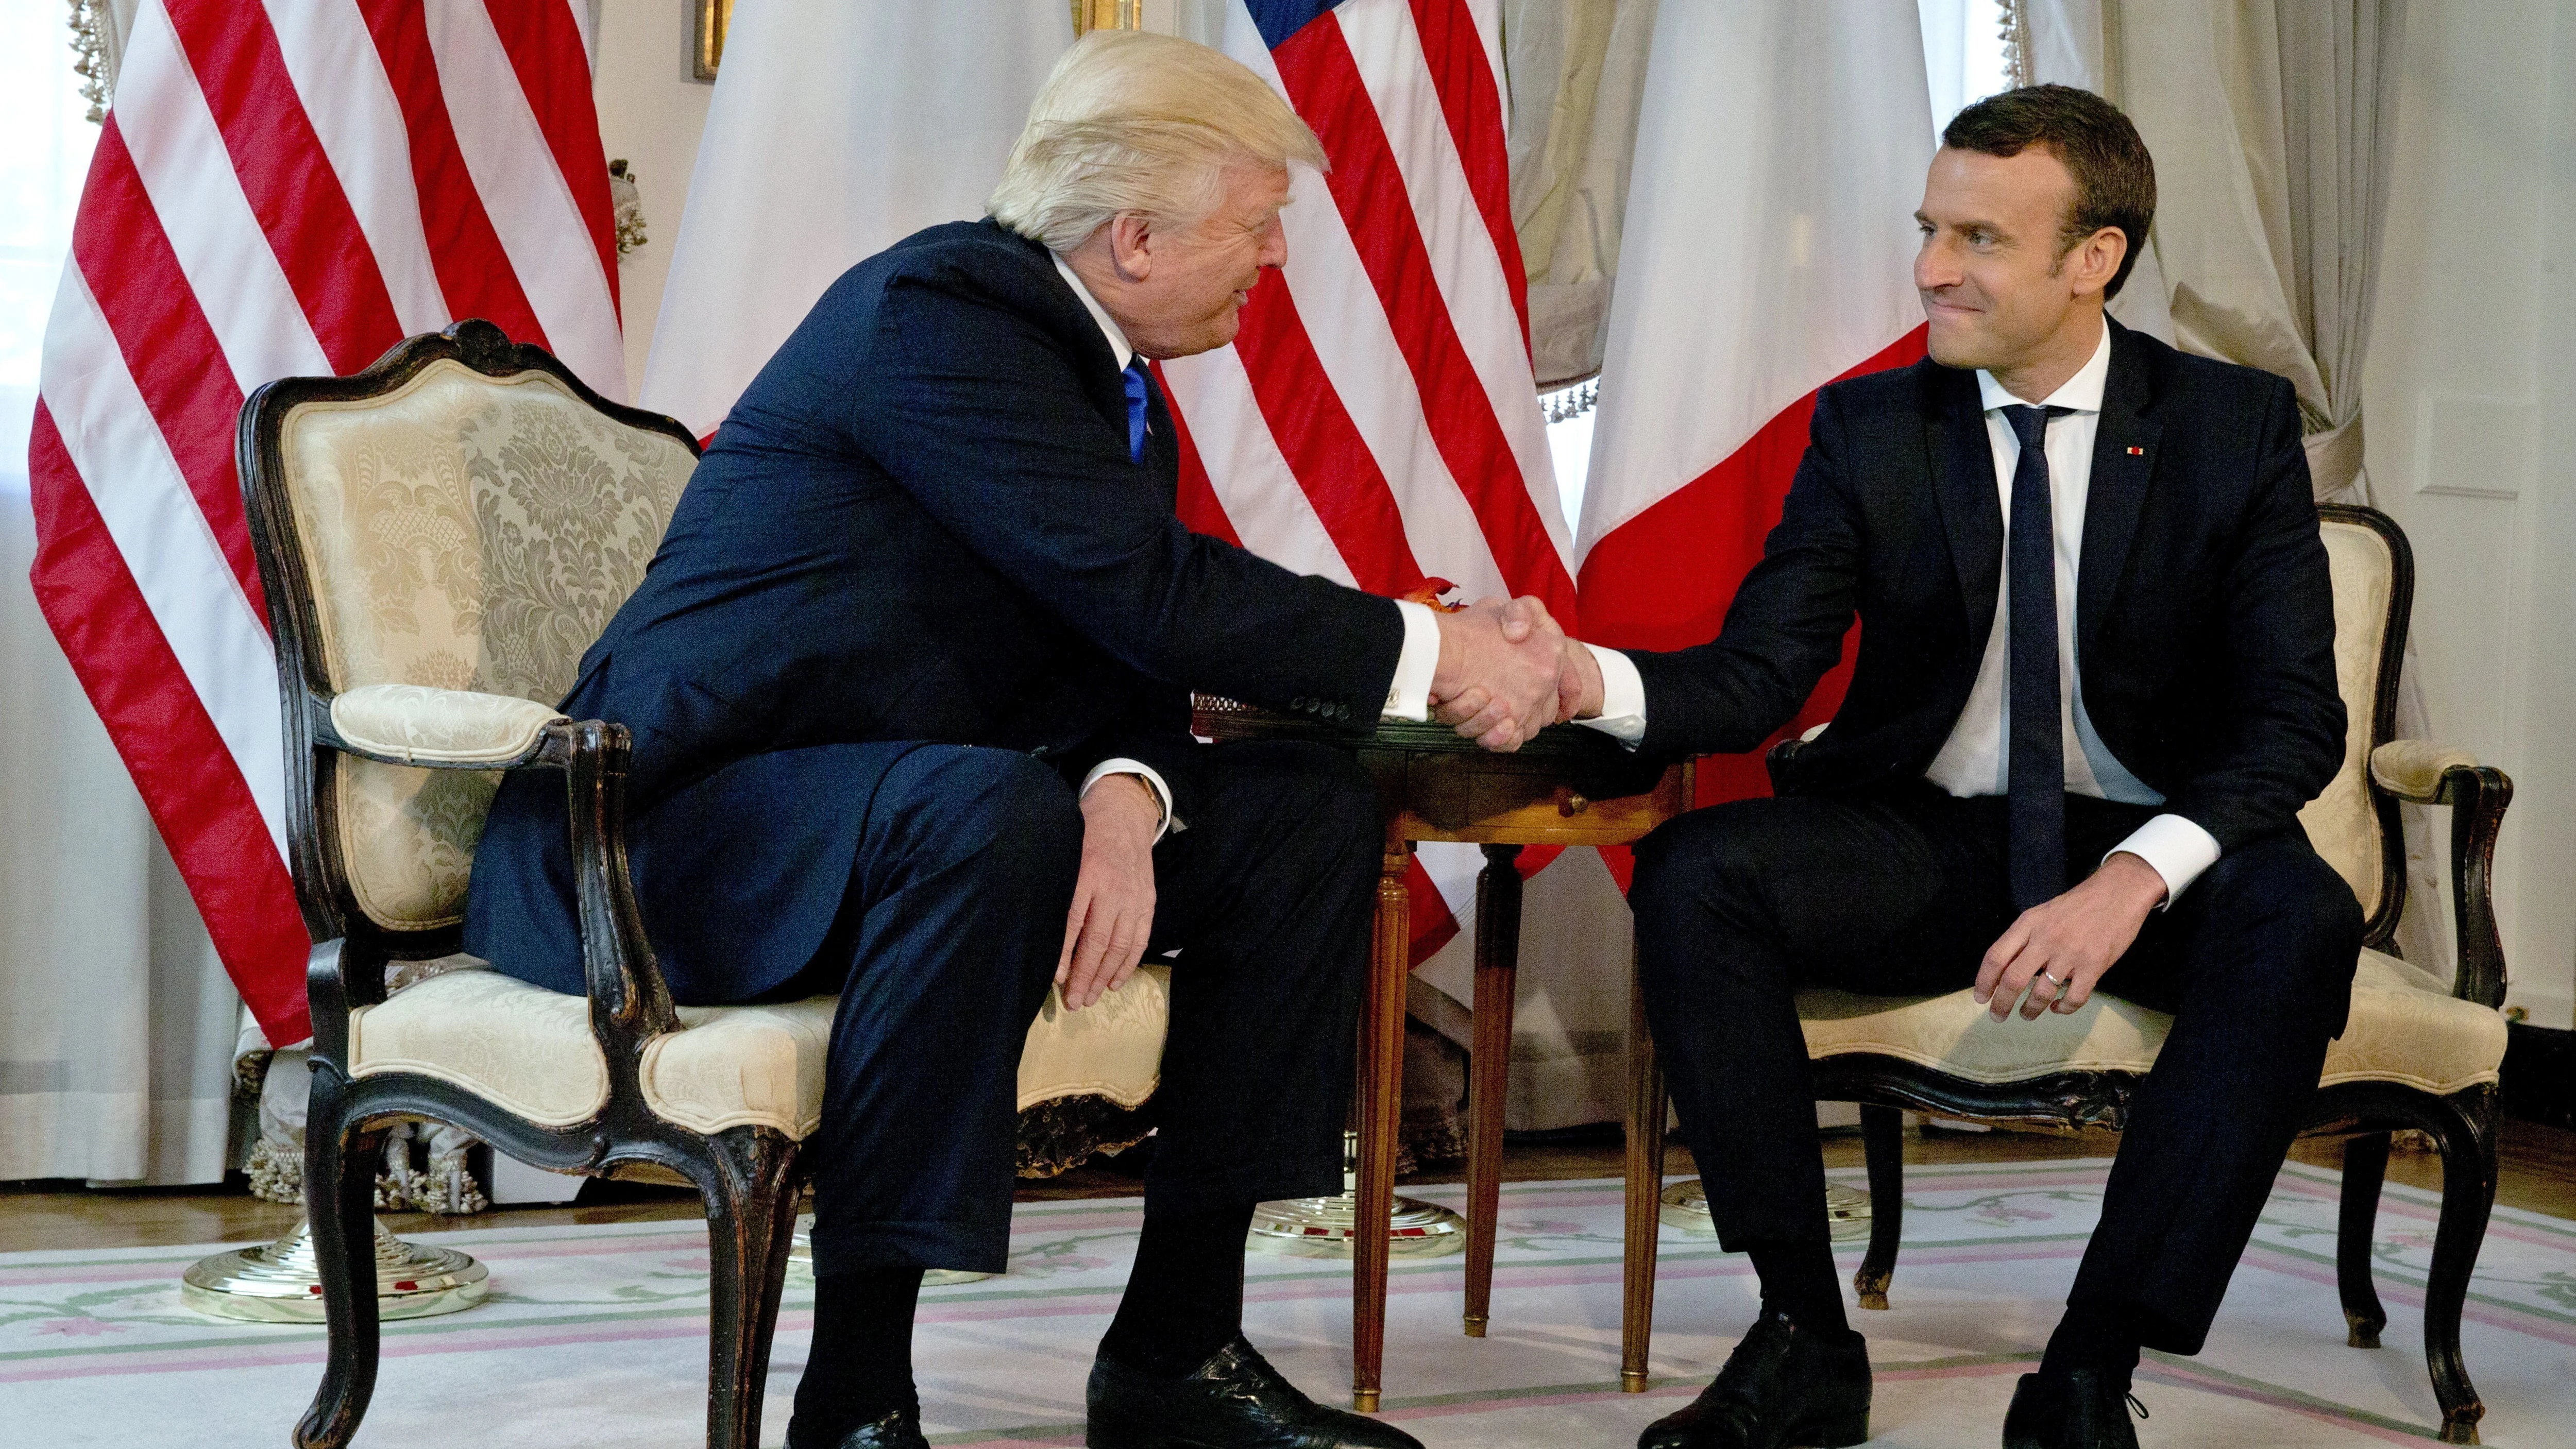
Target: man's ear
<point>1131,245</point>
<point>2097,259</point>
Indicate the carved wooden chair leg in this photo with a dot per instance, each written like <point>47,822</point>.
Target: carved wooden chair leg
<point>340,1204</point>
<point>751,1223</point>
<point>2467,1142</point>
<point>1647,1107</point>
<point>1498,946</point>
<point>1882,1139</point>
<point>2365,1164</point>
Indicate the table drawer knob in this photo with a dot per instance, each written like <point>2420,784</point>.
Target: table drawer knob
<point>1573,804</point>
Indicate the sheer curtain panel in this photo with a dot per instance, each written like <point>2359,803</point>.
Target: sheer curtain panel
<point>117,1025</point>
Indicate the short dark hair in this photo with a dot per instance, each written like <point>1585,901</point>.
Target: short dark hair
<point>2115,178</point>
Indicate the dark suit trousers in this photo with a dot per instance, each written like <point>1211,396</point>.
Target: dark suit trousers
<point>949,937</point>
<point>1739,905</point>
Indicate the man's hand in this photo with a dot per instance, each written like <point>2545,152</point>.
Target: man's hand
<point>1579,691</point>
<point>1496,682</point>
<point>2060,948</point>
<point>1113,897</point>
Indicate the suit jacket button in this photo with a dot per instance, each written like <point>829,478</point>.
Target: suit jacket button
<point>1301,703</point>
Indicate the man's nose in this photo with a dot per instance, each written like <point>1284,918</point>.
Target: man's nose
<point>1935,267</point>
<point>1274,246</point>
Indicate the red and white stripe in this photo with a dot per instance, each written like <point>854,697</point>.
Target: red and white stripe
<point>281,189</point>
<point>1376,420</point>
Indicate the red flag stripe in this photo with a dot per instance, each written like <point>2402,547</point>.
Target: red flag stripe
<point>179,761</point>
<point>533,32</point>
<point>1197,504</point>
<point>1454,50</point>
<point>1368,188</point>
<point>165,339</point>
<point>1334,467</point>
<point>305,215</point>
<point>473,271</point>
<point>1641,592</point>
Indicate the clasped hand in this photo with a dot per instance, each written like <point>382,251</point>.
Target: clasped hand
<point>1507,671</point>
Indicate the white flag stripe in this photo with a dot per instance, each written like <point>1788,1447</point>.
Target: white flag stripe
<point>179,153</point>
<point>341,83</point>
<point>541,229</point>
<point>1465,258</point>
<point>1250,477</point>
<point>176,562</point>
<point>1352,339</point>
<point>1756,269</point>
<point>581,22</point>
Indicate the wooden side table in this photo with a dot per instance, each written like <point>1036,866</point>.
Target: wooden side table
<point>1570,786</point>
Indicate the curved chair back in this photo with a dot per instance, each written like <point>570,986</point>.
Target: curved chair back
<point>2355,828</point>
<point>464,514</point>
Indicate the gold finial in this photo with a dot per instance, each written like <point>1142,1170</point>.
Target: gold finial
<point>1089,15</point>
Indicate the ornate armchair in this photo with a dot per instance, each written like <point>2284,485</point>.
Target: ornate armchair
<point>2418,1052</point>
<point>441,537</point>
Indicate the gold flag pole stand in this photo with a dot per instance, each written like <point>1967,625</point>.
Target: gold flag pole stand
<point>1686,1208</point>
<point>1328,1227</point>
<point>281,1282</point>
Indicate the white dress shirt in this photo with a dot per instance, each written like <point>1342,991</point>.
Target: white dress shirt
<point>1975,760</point>
<point>1408,696</point>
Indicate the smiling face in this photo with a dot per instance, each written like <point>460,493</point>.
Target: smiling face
<point>1999,290</point>
<point>1185,284</point>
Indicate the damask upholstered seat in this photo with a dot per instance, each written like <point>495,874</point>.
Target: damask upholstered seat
<point>531,1052</point>
<point>2417,1051</point>
<point>441,537</point>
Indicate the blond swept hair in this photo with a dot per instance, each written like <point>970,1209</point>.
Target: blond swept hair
<point>1130,121</point>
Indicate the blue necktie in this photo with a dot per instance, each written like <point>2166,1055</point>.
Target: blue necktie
<point>1135,376</point>
<point>2036,789</point>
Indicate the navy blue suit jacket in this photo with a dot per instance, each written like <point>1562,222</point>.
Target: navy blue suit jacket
<point>919,523</point>
<point>2204,617</point>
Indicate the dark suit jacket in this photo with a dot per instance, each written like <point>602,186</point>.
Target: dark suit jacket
<point>919,523</point>
<point>2204,617</point>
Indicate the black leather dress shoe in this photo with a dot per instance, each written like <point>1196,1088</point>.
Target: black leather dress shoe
<point>898,1430</point>
<point>1782,1388</point>
<point>1235,1400</point>
<point>2075,1410</point>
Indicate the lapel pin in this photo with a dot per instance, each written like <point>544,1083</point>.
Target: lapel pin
<point>2137,452</point>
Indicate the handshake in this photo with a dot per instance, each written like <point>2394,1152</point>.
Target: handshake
<point>1507,671</point>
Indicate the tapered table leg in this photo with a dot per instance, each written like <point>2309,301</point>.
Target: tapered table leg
<point>1645,1184</point>
<point>1381,1091</point>
<point>1498,951</point>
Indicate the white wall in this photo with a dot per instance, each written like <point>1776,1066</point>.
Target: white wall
<point>2471,441</point>
<point>650,112</point>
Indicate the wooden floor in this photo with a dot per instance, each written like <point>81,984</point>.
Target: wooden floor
<point>2537,1174</point>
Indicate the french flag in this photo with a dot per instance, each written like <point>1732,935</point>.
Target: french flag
<point>1768,250</point>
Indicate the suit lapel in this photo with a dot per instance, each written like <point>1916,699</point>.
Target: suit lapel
<point>2124,457</point>
<point>1963,479</point>
<point>1162,442</point>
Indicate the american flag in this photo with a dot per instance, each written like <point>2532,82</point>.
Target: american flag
<point>281,190</point>
<point>1376,420</point>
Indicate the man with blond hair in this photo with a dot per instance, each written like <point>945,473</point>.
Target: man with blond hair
<point>909,685</point>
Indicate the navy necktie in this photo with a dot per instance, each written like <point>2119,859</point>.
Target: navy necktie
<point>2036,788</point>
<point>1135,376</point>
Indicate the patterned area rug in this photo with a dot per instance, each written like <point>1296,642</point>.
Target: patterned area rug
<point>596,1335</point>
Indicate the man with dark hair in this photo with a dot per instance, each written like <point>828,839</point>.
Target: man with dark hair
<point>2095,685</point>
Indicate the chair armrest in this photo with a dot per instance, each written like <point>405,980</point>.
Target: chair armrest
<point>2424,773</point>
<point>2413,770</point>
<point>414,724</point>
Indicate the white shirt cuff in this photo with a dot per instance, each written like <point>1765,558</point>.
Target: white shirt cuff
<point>2178,849</point>
<point>1408,696</point>
<point>1153,782</point>
<point>1623,697</point>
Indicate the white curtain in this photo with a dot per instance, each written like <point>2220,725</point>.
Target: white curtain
<point>117,1024</point>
